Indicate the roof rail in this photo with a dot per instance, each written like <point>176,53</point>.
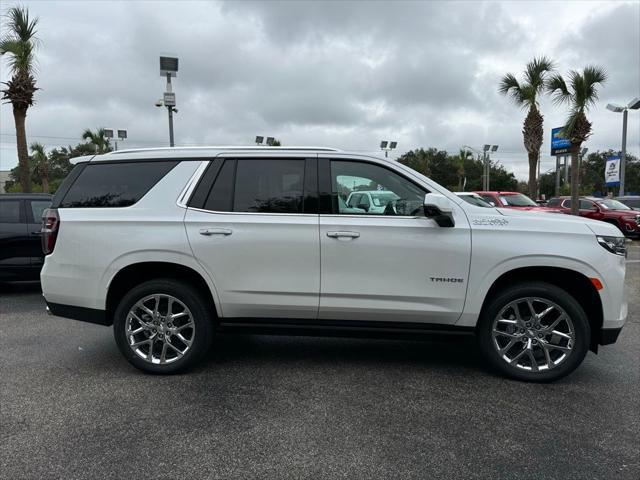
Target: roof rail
<point>213,147</point>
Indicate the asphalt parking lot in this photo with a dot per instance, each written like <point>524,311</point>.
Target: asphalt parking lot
<point>291,407</point>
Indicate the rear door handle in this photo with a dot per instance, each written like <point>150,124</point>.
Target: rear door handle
<point>343,234</point>
<point>215,231</point>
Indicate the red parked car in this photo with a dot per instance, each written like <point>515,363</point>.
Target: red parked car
<point>514,200</point>
<point>605,209</point>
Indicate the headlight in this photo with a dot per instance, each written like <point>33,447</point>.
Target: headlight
<point>615,245</point>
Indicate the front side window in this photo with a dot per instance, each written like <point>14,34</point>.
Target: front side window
<point>9,211</point>
<point>586,205</point>
<point>379,191</point>
<point>489,199</point>
<point>114,184</point>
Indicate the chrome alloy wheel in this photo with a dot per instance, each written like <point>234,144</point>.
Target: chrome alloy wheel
<point>533,334</point>
<point>160,329</point>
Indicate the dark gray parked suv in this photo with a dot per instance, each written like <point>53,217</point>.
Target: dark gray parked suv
<point>21,256</point>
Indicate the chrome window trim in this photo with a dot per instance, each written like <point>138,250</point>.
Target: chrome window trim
<point>281,214</point>
<point>185,195</point>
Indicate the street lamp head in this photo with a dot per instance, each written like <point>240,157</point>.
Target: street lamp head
<point>494,148</point>
<point>168,66</point>
<point>259,140</point>
<point>383,144</point>
<point>108,133</point>
<point>486,148</point>
<point>270,141</point>
<point>158,103</point>
<point>393,145</point>
<point>122,134</point>
<point>634,104</point>
<point>615,107</point>
<point>583,151</point>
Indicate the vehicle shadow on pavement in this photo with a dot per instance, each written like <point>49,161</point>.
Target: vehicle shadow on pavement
<point>19,288</point>
<point>448,352</point>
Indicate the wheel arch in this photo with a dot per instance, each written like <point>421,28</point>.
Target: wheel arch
<point>137,273</point>
<point>575,283</point>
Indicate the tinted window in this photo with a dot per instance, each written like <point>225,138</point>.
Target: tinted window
<point>554,202</point>
<point>221,196</point>
<point>115,184</point>
<point>586,205</point>
<point>9,211</point>
<point>387,193</point>
<point>269,186</point>
<point>37,208</point>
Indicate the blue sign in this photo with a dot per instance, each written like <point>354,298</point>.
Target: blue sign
<point>559,144</point>
<point>612,171</point>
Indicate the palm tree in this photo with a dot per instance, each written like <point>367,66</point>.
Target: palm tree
<point>526,96</point>
<point>97,139</point>
<point>19,42</point>
<point>580,94</point>
<point>41,164</point>
<point>459,161</point>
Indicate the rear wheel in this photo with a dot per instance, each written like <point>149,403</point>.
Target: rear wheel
<point>534,331</point>
<point>163,326</point>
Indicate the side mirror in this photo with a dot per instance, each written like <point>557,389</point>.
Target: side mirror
<point>439,208</point>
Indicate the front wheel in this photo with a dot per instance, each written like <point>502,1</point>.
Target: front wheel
<point>534,331</point>
<point>163,326</point>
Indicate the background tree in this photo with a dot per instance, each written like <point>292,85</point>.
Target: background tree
<point>41,164</point>
<point>526,96</point>
<point>445,169</point>
<point>580,94</point>
<point>98,139</point>
<point>19,42</point>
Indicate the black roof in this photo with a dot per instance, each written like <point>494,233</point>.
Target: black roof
<point>27,196</point>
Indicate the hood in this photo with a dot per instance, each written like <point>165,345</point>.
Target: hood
<point>596,226</point>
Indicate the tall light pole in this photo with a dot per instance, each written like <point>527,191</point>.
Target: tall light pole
<point>386,146</point>
<point>633,105</point>
<point>168,69</point>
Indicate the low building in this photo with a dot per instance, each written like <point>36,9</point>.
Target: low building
<point>4,177</point>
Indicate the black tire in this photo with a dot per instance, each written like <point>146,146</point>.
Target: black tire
<point>545,291</point>
<point>202,328</point>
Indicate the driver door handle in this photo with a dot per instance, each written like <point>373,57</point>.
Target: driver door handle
<point>343,234</point>
<point>215,231</point>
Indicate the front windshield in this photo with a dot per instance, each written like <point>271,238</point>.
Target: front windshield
<point>517,200</point>
<point>613,205</point>
<point>477,201</point>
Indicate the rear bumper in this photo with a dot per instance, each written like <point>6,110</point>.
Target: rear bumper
<point>82,314</point>
<point>609,335</point>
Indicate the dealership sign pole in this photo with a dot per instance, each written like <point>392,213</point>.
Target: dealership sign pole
<point>560,146</point>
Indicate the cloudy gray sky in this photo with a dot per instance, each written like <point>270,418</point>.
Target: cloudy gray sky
<point>344,74</point>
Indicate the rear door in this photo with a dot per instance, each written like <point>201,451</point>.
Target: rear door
<point>15,255</point>
<point>253,224</point>
<point>393,264</point>
<point>34,209</point>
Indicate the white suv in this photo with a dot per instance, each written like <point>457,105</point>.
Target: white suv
<point>172,245</point>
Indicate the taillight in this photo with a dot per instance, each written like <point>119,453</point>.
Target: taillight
<point>50,226</point>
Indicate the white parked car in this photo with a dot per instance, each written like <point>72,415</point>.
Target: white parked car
<point>374,202</point>
<point>172,245</point>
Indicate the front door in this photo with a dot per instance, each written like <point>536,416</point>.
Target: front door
<point>390,263</point>
<point>256,233</point>
<point>15,255</point>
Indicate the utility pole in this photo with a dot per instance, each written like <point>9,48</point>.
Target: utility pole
<point>168,69</point>
<point>170,108</point>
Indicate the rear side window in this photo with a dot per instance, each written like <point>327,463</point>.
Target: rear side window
<point>554,202</point>
<point>261,186</point>
<point>9,211</point>
<point>269,186</point>
<point>114,184</point>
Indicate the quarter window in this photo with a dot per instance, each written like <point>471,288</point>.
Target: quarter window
<point>114,184</point>
<point>37,209</point>
<point>379,191</point>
